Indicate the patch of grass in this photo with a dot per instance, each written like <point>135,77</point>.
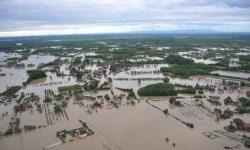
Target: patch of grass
<point>57,109</point>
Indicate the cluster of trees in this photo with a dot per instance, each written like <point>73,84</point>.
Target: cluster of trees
<point>173,101</point>
<point>75,88</point>
<point>159,89</point>
<point>35,74</point>
<point>77,61</point>
<point>245,58</point>
<point>184,67</point>
<point>104,86</point>
<point>244,106</point>
<point>176,59</point>
<point>131,93</point>
<point>91,85</point>
<point>244,102</point>
<point>164,89</point>
<point>11,91</point>
<point>96,104</point>
<point>189,90</point>
<point>57,109</point>
<point>187,70</point>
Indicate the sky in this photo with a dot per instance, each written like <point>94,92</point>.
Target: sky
<point>55,17</point>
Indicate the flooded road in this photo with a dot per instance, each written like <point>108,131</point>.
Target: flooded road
<point>233,74</point>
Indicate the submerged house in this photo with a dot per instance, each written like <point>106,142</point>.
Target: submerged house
<point>217,111</point>
<point>229,101</point>
<point>79,96</point>
<point>227,114</point>
<point>239,123</point>
<point>214,101</point>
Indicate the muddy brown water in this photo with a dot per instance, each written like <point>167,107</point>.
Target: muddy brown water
<point>139,127</point>
<point>129,127</point>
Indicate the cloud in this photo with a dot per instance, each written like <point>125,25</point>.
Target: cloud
<point>95,16</point>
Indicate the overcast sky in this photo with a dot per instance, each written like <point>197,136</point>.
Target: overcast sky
<point>46,17</point>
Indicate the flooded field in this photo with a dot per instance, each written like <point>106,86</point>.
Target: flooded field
<point>233,74</point>
<point>50,96</point>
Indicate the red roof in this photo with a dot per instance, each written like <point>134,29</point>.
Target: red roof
<point>247,126</point>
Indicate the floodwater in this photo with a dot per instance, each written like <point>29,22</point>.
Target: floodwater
<point>16,76</point>
<point>233,74</point>
<point>188,55</point>
<point>38,59</point>
<point>5,56</point>
<point>13,77</point>
<point>140,127</point>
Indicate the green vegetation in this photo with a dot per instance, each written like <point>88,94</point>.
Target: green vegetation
<point>35,74</point>
<point>109,79</point>
<point>96,104</point>
<point>77,61</point>
<point>104,86</point>
<point>173,101</point>
<point>165,111</point>
<point>72,88</point>
<point>49,95</point>
<point>198,96</point>
<point>200,92</point>
<point>91,85</point>
<point>159,89</point>
<point>244,102</point>
<point>188,90</point>
<point>244,106</point>
<point>107,97</point>
<point>176,59</point>
<point>187,70</point>
<point>29,127</point>
<point>11,91</point>
<point>223,62</point>
<point>245,58</point>
<point>131,93</point>
<point>57,109</point>
<point>166,80</point>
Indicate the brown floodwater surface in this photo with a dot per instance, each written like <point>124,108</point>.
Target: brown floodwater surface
<point>138,127</point>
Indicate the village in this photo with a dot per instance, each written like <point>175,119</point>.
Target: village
<point>44,99</point>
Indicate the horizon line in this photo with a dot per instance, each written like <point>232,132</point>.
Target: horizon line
<point>169,32</point>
